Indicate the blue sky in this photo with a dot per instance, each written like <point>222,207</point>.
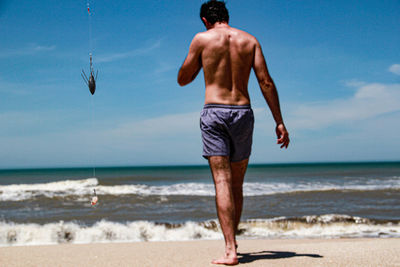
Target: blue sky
<point>336,65</point>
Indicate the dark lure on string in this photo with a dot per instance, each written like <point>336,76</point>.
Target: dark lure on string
<point>91,81</point>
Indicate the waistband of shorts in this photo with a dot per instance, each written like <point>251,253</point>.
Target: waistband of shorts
<point>227,106</point>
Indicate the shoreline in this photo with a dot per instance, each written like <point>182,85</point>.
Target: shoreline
<point>257,252</point>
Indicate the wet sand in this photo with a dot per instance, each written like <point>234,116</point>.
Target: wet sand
<point>282,252</point>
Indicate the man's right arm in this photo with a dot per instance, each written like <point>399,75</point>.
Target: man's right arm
<point>270,94</point>
<point>192,64</point>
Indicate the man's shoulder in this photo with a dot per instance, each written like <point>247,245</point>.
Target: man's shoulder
<point>200,38</point>
<point>207,36</point>
<point>245,35</point>
<point>203,36</point>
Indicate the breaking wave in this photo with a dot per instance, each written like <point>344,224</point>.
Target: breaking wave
<point>318,226</point>
<point>18,192</point>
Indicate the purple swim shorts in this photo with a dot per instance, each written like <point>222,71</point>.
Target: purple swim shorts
<point>227,130</point>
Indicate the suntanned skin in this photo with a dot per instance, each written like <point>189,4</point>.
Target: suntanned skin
<point>227,56</point>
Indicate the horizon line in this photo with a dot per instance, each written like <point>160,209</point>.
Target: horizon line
<point>197,165</point>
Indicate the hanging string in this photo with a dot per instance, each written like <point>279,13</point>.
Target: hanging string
<point>93,142</point>
<point>90,28</point>
<point>91,69</point>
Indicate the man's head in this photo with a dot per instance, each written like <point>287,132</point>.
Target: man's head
<point>214,11</point>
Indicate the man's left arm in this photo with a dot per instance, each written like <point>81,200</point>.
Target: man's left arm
<point>192,64</point>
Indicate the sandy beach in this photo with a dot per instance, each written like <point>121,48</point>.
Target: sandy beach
<point>288,252</point>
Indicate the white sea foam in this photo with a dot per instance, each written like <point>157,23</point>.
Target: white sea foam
<point>103,231</point>
<point>324,226</point>
<point>16,192</point>
<point>77,188</point>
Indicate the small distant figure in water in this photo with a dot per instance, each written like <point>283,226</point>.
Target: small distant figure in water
<point>94,198</point>
<point>227,56</point>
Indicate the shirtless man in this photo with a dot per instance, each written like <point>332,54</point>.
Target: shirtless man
<point>227,56</point>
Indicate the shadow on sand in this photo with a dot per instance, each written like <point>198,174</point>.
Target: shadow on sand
<point>269,255</point>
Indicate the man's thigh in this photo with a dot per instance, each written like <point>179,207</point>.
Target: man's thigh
<point>238,171</point>
<point>220,168</point>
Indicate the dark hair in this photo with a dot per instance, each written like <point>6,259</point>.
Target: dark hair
<point>214,11</point>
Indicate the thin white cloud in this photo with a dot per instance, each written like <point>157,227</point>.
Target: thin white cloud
<point>44,48</point>
<point>13,88</point>
<point>369,101</point>
<point>158,139</point>
<point>395,68</point>
<point>31,49</point>
<point>354,83</point>
<point>128,54</point>
<point>164,67</point>
<point>168,125</point>
<point>17,121</point>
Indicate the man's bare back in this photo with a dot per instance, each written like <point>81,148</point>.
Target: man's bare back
<point>226,55</point>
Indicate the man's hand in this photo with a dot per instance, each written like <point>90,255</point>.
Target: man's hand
<point>283,135</point>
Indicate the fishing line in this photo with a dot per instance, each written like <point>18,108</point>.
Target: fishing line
<point>90,28</point>
<point>93,130</point>
<point>91,82</point>
<point>91,100</point>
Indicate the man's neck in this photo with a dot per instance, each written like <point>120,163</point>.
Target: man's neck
<point>217,25</point>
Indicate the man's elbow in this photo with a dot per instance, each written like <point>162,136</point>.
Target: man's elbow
<point>182,82</point>
<point>267,84</point>
<point>181,79</point>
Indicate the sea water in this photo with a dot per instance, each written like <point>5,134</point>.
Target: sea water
<point>321,200</point>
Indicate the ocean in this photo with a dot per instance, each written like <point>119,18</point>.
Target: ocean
<point>314,200</point>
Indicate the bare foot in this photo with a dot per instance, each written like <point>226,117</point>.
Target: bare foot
<point>226,261</point>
